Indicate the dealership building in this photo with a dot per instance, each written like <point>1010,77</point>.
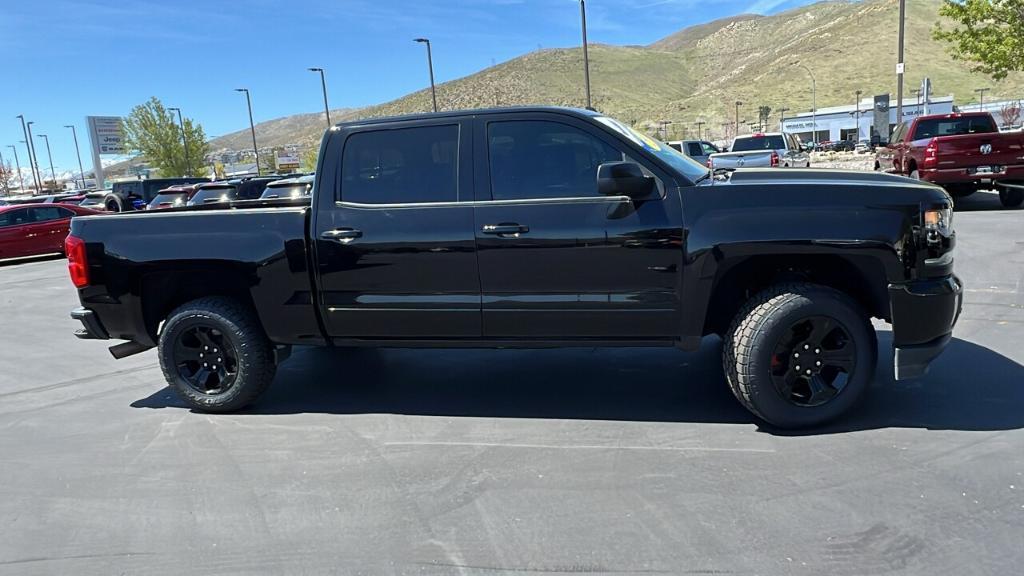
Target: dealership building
<point>858,121</point>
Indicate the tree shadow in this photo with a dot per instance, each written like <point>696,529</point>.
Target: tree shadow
<point>969,388</point>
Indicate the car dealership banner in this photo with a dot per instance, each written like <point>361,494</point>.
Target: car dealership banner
<point>106,135</point>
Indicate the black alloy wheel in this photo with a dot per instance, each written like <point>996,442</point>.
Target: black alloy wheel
<point>813,361</point>
<point>205,360</point>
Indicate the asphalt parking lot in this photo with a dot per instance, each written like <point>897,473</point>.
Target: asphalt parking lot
<point>490,462</point>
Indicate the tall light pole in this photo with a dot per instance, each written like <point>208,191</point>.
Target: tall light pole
<point>28,146</point>
<point>252,128</point>
<point>857,114</point>
<point>814,102</point>
<point>699,124</point>
<point>981,96</point>
<point>917,94</point>
<point>17,164</point>
<point>782,118</point>
<point>53,173</point>
<point>184,140</point>
<point>586,53</point>
<point>35,157</point>
<point>81,171</point>
<point>899,63</point>
<point>323,84</point>
<point>430,66</point>
<point>738,104</point>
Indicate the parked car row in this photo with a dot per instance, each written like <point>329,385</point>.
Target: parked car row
<point>34,229</point>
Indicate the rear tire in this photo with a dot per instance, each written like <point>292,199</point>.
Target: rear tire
<point>763,347</point>
<point>114,204</point>
<point>1011,197</point>
<point>214,352</point>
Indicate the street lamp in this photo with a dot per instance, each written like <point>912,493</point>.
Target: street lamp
<point>81,171</point>
<point>35,157</point>
<point>981,95</point>
<point>738,104</point>
<point>17,164</point>
<point>699,124</point>
<point>28,146</point>
<point>323,84</point>
<point>899,63</point>
<point>252,128</point>
<point>814,102</point>
<point>917,95</point>
<point>430,66</point>
<point>53,173</point>
<point>586,55</point>
<point>184,141</point>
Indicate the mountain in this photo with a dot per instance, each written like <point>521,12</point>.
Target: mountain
<point>699,72</point>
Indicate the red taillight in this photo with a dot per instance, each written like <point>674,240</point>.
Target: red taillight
<point>709,162</point>
<point>78,265</point>
<point>931,153</point>
<point>775,159</point>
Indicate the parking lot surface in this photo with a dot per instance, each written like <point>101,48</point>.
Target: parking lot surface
<point>511,461</point>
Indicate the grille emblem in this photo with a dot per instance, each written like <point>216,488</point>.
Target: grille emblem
<point>986,148</point>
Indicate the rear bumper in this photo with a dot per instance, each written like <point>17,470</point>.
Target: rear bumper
<point>923,315</point>
<point>969,176</point>
<point>91,328</point>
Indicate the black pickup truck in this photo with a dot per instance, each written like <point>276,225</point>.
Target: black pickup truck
<point>533,227</point>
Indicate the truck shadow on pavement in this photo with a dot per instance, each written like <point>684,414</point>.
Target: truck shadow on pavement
<point>981,201</point>
<point>969,388</point>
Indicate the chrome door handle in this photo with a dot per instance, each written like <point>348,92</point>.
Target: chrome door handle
<point>342,235</point>
<point>505,229</point>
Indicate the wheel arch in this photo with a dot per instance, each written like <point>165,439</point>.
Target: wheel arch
<point>162,292</point>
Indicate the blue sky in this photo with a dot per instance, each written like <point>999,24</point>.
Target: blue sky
<point>66,59</point>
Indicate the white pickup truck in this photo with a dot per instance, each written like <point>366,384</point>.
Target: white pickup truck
<point>770,150</point>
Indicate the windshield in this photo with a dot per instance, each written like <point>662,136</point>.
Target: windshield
<point>930,128</point>
<point>753,143</point>
<point>689,167</point>
<point>290,191</point>
<point>210,195</point>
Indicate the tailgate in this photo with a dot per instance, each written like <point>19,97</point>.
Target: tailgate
<point>973,150</point>
<point>730,160</point>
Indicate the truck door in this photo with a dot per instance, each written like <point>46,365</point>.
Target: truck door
<point>393,232</point>
<point>557,259</point>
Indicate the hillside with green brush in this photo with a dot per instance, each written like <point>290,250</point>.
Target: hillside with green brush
<point>699,72</point>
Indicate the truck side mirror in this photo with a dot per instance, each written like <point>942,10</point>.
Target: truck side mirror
<point>623,179</point>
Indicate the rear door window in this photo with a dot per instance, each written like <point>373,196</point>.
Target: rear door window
<point>402,166</point>
<point>930,128</point>
<point>754,143</point>
<point>694,149</point>
<point>48,213</point>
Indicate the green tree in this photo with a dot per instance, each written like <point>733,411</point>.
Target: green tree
<point>988,33</point>
<point>309,158</point>
<point>153,131</point>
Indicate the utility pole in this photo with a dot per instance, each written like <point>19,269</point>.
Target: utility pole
<point>81,171</point>
<point>814,102</point>
<point>699,124</point>
<point>899,63</point>
<point>323,85</point>
<point>586,54</point>
<point>28,146</point>
<point>782,118</point>
<point>981,96</point>
<point>738,104</point>
<point>430,66</point>
<point>184,140</point>
<point>917,95</point>
<point>53,173</point>
<point>252,128</point>
<point>17,165</point>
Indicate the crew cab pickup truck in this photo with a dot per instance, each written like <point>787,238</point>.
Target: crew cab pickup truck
<point>962,152</point>
<point>776,149</point>
<point>533,228</point>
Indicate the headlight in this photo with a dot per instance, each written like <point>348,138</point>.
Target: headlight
<point>939,221</point>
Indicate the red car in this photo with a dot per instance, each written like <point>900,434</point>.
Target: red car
<point>960,152</point>
<point>34,229</point>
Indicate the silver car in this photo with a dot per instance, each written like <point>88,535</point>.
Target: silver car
<point>699,150</point>
<point>769,150</point>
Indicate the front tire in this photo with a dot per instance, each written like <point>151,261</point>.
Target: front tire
<point>214,352</point>
<point>799,355</point>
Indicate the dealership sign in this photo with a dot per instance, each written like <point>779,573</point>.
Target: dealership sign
<point>287,161</point>
<point>107,134</point>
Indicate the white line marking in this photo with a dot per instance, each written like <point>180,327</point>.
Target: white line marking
<point>582,447</point>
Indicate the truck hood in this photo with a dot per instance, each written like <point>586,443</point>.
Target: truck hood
<point>853,186</point>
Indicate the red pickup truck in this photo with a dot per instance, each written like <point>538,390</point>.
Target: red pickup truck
<point>960,152</point>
